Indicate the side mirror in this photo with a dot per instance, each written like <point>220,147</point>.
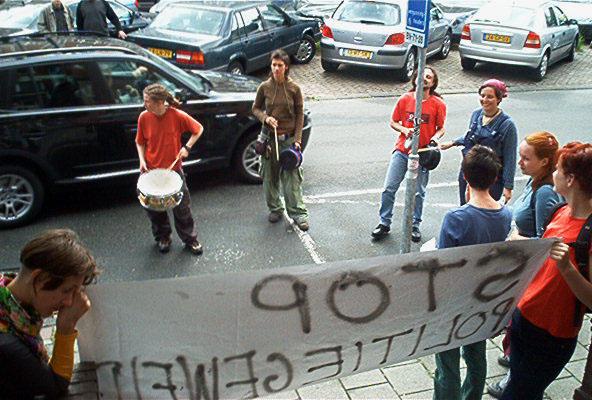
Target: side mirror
<point>572,22</point>
<point>182,95</point>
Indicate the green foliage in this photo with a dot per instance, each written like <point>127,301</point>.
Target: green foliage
<point>581,44</point>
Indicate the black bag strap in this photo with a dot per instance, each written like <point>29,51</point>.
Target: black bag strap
<point>533,205</point>
<point>582,250</point>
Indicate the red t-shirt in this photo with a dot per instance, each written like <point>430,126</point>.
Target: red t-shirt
<point>433,116</point>
<point>548,301</point>
<point>161,136</point>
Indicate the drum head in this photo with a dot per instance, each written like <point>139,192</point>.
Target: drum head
<point>160,182</point>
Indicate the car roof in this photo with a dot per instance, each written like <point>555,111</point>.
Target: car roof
<point>220,4</point>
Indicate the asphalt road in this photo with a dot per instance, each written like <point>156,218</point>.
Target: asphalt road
<point>344,169</point>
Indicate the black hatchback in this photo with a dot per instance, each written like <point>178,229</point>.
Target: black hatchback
<point>227,36</point>
<point>69,110</point>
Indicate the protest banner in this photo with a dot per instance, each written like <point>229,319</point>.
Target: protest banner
<point>244,335</point>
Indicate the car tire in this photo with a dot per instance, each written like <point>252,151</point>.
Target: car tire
<point>329,66</point>
<point>406,72</point>
<point>572,51</point>
<point>236,67</point>
<point>540,72</point>
<point>21,196</point>
<point>246,161</point>
<point>446,43</point>
<point>306,50</point>
<point>467,64</point>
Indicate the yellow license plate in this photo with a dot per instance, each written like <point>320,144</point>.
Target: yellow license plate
<point>493,37</point>
<point>359,53</point>
<point>161,52</point>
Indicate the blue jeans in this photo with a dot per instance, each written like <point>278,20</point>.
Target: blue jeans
<point>394,176</point>
<point>537,359</point>
<point>447,384</point>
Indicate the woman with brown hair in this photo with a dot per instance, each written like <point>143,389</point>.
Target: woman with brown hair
<point>55,267</point>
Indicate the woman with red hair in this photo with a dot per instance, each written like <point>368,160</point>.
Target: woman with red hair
<point>549,316</point>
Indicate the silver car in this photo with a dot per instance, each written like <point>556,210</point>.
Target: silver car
<point>533,34</point>
<point>371,33</point>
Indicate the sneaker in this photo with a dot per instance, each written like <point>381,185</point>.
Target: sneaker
<point>495,390</point>
<point>164,245</point>
<point>303,225</point>
<point>380,231</point>
<point>504,360</point>
<point>415,234</point>
<point>274,217</point>
<point>195,248</point>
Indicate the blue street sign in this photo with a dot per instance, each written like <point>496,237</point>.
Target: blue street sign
<point>418,22</point>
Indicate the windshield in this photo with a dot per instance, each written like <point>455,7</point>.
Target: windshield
<point>189,19</point>
<point>505,14</point>
<point>19,17</point>
<point>369,12</point>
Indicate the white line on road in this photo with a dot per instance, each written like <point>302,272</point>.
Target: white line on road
<point>309,244</point>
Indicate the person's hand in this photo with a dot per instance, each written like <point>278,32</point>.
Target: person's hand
<point>507,195</point>
<point>297,145</point>
<point>560,253</point>
<point>516,236</point>
<point>271,121</point>
<point>446,145</point>
<point>183,154</point>
<point>69,314</point>
<point>121,35</point>
<point>143,166</point>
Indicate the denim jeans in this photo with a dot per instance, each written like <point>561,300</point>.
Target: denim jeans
<point>537,359</point>
<point>394,176</point>
<point>447,385</point>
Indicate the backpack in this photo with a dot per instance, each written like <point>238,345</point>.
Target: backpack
<point>581,248</point>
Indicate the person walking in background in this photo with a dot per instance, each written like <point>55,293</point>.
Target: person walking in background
<point>481,220</point>
<point>279,106</point>
<point>433,117</point>
<point>490,126</point>
<point>92,16</point>
<point>55,18</point>
<point>55,267</point>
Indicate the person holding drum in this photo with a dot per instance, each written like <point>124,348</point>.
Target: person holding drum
<point>280,108</point>
<point>159,146</point>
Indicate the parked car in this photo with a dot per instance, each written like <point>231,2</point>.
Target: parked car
<point>228,36</point>
<point>19,20</point>
<point>69,112</point>
<point>372,34</point>
<point>457,12</point>
<point>532,34</point>
<point>581,11</point>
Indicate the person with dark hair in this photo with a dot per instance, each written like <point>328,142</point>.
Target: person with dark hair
<point>158,142</point>
<point>55,267</point>
<point>55,18</point>
<point>92,16</point>
<point>481,220</point>
<point>549,316</point>
<point>433,116</point>
<point>490,126</point>
<point>279,106</point>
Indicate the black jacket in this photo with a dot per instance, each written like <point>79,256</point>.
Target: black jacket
<point>92,15</point>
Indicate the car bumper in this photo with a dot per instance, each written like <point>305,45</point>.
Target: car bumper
<point>381,57</point>
<point>525,57</point>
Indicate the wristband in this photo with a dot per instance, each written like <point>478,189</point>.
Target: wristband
<point>187,148</point>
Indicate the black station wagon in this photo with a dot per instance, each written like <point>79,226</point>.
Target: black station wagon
<point>228,36</point>
<point>69,110</point>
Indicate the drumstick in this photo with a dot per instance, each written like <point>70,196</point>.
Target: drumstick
<point>277,149</point>
<point>427,149</point>
<point>173,164</point>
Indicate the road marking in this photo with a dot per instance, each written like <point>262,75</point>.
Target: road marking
<point>308,242</point>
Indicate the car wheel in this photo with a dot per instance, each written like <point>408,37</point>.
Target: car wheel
<point>467,64</point>
<point>329,66</point>
<point>21,196</point>
<point>539,72</point>
<point>246,161</point>
<point>306,50</point>
<point>572,51</point>
<point>445,49</point>
<point>236,67</point>
<point>406,72</point>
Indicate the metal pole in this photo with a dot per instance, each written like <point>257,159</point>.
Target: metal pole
<point>413,163</point>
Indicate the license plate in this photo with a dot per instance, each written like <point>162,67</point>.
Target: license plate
<point>161,52</point>
<point>359,53</point>
<point>494,37</point>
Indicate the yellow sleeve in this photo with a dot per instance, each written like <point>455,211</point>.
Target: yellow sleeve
<point>62,359</point>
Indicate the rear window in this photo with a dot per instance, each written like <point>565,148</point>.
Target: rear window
<point>189,19</point>
<point>505,14</point>
<point>20,17</point>
<point>369,12</point>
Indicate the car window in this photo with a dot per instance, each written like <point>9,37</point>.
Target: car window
<point>252,20</point>
<point>180,18</point>
<point>237,28</point>
<point>505,14</point>
<point>369,12</point>
<point>550,17</point>
<point>126,79</point>
<point>271,16</point>
<point>53,86</point>
<point>20,17</point>
<point>435,14</point>
<point>120,11</point>
<point>560,16</point>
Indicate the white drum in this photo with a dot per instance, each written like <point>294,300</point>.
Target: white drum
<point>160,189</point>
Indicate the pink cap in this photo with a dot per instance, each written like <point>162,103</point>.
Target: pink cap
<point>495,83</point>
